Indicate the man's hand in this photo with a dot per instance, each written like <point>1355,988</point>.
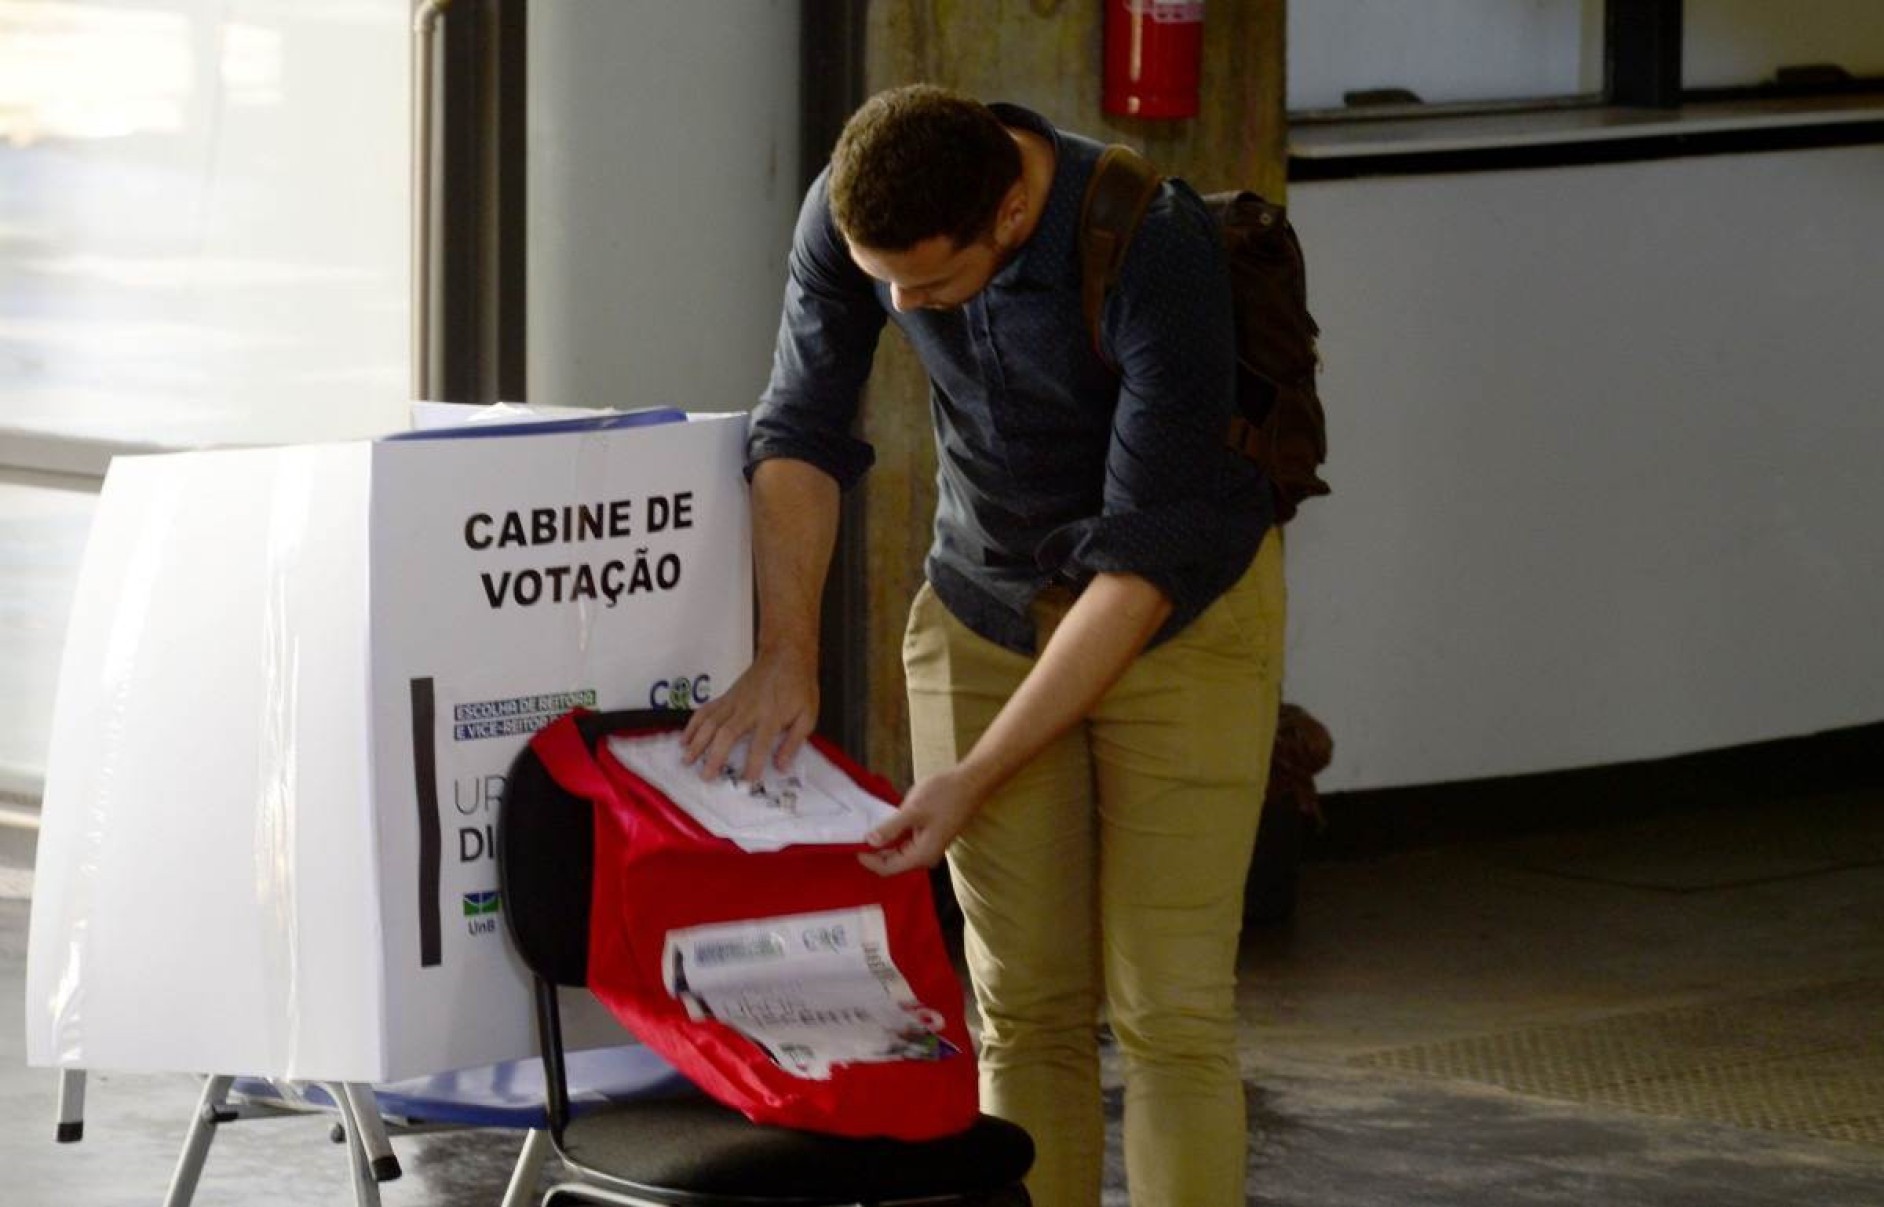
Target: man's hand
<point>935,811</point>
<point>1103,631</point>
<point>775,704</point>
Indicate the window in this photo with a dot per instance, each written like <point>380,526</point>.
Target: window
<point>203,240</point>
<point>1740,43</point>
<point>1443,51</point>
<point>1424,86</point>
<point>202,220</point>
<point>1358,57</point>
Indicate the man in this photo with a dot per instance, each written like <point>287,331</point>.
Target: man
<point>1093,662</point>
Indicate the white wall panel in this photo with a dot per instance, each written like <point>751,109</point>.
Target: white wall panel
<point>1605,463</point>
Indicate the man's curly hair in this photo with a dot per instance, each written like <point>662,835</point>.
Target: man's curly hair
<point>920,161</point>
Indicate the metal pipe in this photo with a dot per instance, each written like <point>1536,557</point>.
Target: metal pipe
<point>209,1113</point>
<point>426,15</point>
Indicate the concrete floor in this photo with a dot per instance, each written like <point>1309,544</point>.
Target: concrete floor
<point>1385,1029</point>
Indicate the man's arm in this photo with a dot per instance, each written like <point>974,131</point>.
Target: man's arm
<point>802,455</point>
<point>775,702</point>
<point>1107,627</point>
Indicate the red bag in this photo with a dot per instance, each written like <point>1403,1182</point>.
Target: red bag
<point>659,874</point>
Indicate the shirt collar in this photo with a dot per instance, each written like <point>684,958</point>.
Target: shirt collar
<point>1049,256</point>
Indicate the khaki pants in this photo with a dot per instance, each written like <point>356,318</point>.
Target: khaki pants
<point>1114,865</point>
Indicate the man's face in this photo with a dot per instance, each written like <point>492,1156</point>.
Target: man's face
<point>934,274</point>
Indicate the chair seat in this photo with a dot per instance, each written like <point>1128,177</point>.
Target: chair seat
<point>673,1150</point>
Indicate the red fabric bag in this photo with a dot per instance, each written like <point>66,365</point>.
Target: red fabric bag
<point>659,874</point>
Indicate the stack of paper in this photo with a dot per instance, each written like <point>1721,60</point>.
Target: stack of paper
<point>813,803</point>
<point>812,990</point>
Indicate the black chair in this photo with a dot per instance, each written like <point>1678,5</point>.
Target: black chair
<point>689,1150</point>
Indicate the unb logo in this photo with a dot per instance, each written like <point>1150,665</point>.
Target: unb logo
<point>480,912</point>
<point>476,905</point>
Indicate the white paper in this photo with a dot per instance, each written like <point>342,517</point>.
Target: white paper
<point>812,990</point>
<point>814,803</point>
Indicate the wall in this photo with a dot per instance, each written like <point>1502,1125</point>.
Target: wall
<point>1605,448</point>
<point>663,182</point>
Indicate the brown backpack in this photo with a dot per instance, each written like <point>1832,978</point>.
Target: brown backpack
<point>1279,422</point>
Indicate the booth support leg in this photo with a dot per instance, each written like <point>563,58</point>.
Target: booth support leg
<point>71,1106</point>
<point>209,1112</point>
<point>371,1130</point>
<point>359,1159</point>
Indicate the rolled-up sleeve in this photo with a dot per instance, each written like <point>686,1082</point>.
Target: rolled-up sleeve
<point>1180,509</point>
<point>826,339</point>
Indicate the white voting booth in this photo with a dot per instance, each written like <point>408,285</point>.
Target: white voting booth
<point>293,681</point>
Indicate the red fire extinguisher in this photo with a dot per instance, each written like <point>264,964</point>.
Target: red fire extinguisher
<point>1153,48</point>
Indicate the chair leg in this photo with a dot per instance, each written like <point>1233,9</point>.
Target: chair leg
<point>209,1112</point>
<point>359,1159</point>
<point>71,1106</point>
<point>529,1171</point>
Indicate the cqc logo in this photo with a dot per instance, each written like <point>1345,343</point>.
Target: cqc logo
<point>681,692</point>
<point>480,910</point>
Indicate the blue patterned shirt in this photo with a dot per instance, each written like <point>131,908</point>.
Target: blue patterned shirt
<point>1050,466</point>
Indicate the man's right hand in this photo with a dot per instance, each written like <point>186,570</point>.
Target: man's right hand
<point>774,705</point>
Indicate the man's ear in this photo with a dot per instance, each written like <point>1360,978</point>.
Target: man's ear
<point>1010,215</point>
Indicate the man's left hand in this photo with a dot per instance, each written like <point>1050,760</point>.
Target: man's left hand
<point>932,814</point>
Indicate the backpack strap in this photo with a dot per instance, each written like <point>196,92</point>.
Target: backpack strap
<point>1122,186</point>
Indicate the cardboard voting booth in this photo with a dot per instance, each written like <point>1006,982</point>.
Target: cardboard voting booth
<point>293,681</point>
